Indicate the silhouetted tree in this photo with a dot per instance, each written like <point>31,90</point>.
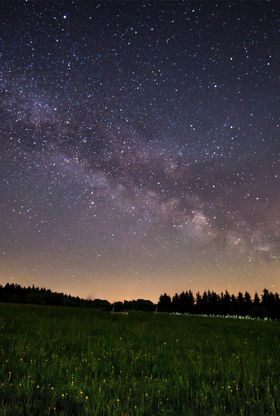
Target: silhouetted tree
<point>256,299</point>
<point>164,304</point>
<point>247,303</point>
<point>176,303</point>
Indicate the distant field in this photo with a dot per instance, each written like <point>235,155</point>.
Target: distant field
<point>75,361</point>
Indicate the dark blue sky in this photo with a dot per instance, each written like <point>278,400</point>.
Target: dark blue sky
<point>140,146</point>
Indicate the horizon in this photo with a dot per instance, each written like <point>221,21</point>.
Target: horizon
<point>259,293</point>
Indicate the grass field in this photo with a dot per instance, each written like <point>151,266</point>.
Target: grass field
<point>75,361</point>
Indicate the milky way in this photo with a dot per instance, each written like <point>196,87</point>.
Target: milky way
<point>140,147</point>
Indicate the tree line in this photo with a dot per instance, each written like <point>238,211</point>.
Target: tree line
<point>208,303</point>
<point>212,303</point>
<point>15,293</point>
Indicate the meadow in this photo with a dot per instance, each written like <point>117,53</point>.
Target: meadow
<point>77,361</point>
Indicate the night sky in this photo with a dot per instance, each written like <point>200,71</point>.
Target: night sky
<point>139,146</point>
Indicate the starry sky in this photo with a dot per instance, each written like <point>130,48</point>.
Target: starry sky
<point>139,146</point>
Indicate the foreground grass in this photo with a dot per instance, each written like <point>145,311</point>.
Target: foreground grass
<point>67,361</point>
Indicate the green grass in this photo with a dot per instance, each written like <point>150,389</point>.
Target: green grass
<point>75,361</point>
